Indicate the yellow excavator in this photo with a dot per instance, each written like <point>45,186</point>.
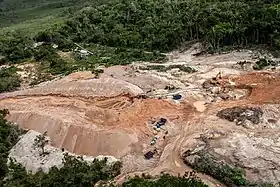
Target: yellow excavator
<point>219,75</point>
<point>216,80</point>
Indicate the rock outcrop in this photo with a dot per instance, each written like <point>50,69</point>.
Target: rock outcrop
<point>25,153</point>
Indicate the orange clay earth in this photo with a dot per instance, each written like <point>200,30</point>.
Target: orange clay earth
<point>104,116</point>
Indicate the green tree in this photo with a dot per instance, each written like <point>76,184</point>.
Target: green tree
<point>9,135</point>
<point>40,142</point>
<point>75,172</point>
<point>9,79</point>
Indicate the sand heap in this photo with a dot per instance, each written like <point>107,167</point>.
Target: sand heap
<point>89,116</point>
<point>106,116</point>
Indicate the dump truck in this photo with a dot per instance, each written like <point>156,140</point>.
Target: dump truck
<point>177,97</point>
<point>161,122</point>
<point>150,154</point>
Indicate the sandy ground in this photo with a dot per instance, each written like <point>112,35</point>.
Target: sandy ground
<point>105,116</point>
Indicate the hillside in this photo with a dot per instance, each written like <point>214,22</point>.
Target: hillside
<point>107,116</point>
<point>154,26</point>
<point>162,86</point>
<point>15,12</point>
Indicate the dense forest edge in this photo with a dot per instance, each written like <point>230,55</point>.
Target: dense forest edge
<point>165,25</point>
<point>155,26</point>
<point>119,32</point>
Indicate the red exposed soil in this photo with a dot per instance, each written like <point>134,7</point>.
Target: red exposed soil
<point>92,126</point>
<point>103,117</point>
<point>264,87</point>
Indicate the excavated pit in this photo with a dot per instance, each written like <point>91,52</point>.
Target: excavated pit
<point>112,115</point>
<point>109,126</point>
<point>239,114</point>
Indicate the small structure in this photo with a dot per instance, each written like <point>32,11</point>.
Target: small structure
<point>54,46</point>
<point>153,142</point>
<point>84,52</point>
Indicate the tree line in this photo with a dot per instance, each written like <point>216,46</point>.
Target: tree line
<point>161,25</point>
<point>165,25</point>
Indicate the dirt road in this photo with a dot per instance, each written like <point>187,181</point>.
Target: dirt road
<point>105,116</point>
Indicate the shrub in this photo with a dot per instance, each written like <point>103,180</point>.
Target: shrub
<point>9,79</point>
<point>206,163</point>
<point>263,63</point>
<point>9,135</point>
<point>165,180</point>
<point>75,172</point>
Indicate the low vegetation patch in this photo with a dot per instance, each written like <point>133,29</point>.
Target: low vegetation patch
<point>165,180</point>
<point>9,79</point>
<point>109,56</point>
<point>9,135</point>
<point>262,63</point>
<point>163,68</point>
<point>75,172</point>
<point>232,176</point>
<point>204,162</point>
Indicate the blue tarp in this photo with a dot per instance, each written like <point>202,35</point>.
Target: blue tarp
<point>177,97</point>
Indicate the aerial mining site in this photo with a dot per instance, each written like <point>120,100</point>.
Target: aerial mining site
<point>155,121</point>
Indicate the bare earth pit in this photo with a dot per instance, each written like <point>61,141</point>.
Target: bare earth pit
<point>106,116</point>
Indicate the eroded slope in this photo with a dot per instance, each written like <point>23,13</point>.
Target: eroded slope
<point>114,115</point>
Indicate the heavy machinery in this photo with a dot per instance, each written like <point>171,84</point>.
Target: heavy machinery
<point>150,154</point>
<point>216,80</point>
